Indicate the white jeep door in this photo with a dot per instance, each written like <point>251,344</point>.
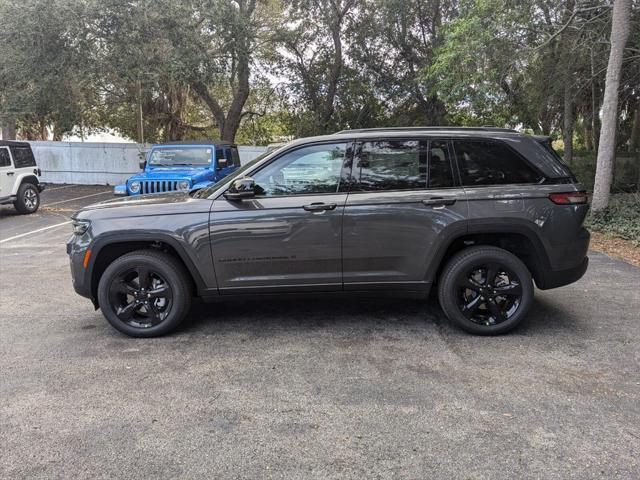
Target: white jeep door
<point>7,173</point>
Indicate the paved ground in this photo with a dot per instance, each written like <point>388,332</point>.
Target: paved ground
<point>310,389</point>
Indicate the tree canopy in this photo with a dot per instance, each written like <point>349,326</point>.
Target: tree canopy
<point>261,71</point>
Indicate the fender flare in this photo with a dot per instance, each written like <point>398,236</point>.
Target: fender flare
<point>507,226</point>
<point>112,239</point>
<point>20,179</point>
<point>201,185</point>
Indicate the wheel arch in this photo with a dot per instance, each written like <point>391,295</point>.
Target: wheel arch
<point>107,250</point>
<point>24,178</point>
<point>517,239</point>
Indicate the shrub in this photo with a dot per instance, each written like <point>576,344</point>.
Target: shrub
<point>621,218</point>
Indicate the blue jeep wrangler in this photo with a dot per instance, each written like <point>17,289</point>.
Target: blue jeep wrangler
<point>182,166</point>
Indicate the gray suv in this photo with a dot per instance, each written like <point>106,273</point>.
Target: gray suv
<point>481,213</point>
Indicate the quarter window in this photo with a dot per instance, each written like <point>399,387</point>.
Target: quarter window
<point>308,170</point>
<point>5,159</point>
<point>22,157</point>
<point>485,162</point>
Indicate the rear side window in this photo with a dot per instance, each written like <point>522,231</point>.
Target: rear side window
<point>5,159</point>
<point>23,157</point>
<point>403,165</point>
<point>391,165</point>
<point>487,162</point>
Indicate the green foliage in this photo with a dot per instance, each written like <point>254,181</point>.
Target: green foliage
<point>621,218</point>
<point>626,171</point>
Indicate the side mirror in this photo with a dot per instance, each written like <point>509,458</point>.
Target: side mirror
<point>222,163</point>
<point>143,164</point>
<point>241,188</point>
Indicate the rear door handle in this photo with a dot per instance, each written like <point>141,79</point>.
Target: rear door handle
<point>10,173</point>
<point>439,201</point>
<point>319,207</point>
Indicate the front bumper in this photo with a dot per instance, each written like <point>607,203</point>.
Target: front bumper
<point>80,276</point>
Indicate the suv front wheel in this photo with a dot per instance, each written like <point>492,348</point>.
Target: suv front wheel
<point>485,290</point>
<point>27,199</point>
<point>145,293</point>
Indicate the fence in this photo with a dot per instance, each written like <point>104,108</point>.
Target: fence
<point>99,163</point>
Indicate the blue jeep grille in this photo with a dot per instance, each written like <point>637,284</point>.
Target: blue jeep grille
<point>158,186</point>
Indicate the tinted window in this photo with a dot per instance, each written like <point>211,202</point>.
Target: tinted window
<point>171,156</point>
<point>5,159</point>
<point>391,165</point>
<point>484,162</point>
<point>314,169</point>
<point>22,157</point>
<point>440,173</point>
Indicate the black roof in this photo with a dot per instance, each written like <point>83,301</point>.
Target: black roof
<point>427,129</point>
<point>198,142</point>
<point>13,143</point>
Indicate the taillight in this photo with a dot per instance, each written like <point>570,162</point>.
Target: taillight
<point>570,198</point>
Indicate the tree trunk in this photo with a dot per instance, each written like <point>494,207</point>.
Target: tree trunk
<point>9,130</point>
<point>568,123</point>
<point>634,138</point>
<point>607,145</point>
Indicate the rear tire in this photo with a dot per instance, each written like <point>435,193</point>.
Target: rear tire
<point>145,293</point>
<point>28,199</point>
<point>485,290</point>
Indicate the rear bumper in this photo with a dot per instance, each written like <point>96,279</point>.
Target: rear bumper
<point>41,186</point>
<point>559,278</point>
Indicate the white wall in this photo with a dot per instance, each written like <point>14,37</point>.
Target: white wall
<point>87,163</point>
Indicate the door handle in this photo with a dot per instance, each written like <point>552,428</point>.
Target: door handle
<point>439,201</point>
<point>10,173</point>
<point>319,207</point>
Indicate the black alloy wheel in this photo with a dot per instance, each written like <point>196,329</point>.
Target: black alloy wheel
<point>489,294</point>
<point>141,297</point>
<point>485,290</point>
<point>145,293</point>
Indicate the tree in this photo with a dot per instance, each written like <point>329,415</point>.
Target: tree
<point>620,26</point>
<point>228,36</point>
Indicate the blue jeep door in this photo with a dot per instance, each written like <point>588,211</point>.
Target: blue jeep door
<point>225,153</point>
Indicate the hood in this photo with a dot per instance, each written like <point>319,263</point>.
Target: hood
<point>144,205</point>
<point>169,173</point>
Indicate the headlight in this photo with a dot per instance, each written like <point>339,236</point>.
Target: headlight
<point>183,185</point>
<point>134,187</point>
<point>80,226</point>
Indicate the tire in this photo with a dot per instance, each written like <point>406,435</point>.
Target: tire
<point>143,304</point>
<point>479,304</point>
<point>28,198</point>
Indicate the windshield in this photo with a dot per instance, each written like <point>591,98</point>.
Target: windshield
<point>172,156</point>
<point>205,192</point>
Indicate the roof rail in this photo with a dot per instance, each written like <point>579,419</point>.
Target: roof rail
<point>426,129</point>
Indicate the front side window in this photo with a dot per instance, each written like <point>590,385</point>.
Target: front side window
<point>23,157</point>
<point>391,165</point>
<point>170,157</point>
<point>487,162</point>
<point>5,159</point>
<point>308,170</point>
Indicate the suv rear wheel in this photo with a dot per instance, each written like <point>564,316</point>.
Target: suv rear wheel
<point>485,290</point>
<point>145,293</point>
<point>28,198</point>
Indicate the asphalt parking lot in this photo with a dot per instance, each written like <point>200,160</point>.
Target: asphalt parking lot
<point>323,388</point>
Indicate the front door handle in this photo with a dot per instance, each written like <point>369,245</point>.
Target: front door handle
<point>439,201</point>
<point>10,173</point>
<point>319,207</point>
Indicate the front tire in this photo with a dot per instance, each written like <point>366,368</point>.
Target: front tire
<point>145,293</point>
<point>28,199</point>
<point>485,290</point>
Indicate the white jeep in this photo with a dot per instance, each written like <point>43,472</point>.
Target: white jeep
<point>19,183</point>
